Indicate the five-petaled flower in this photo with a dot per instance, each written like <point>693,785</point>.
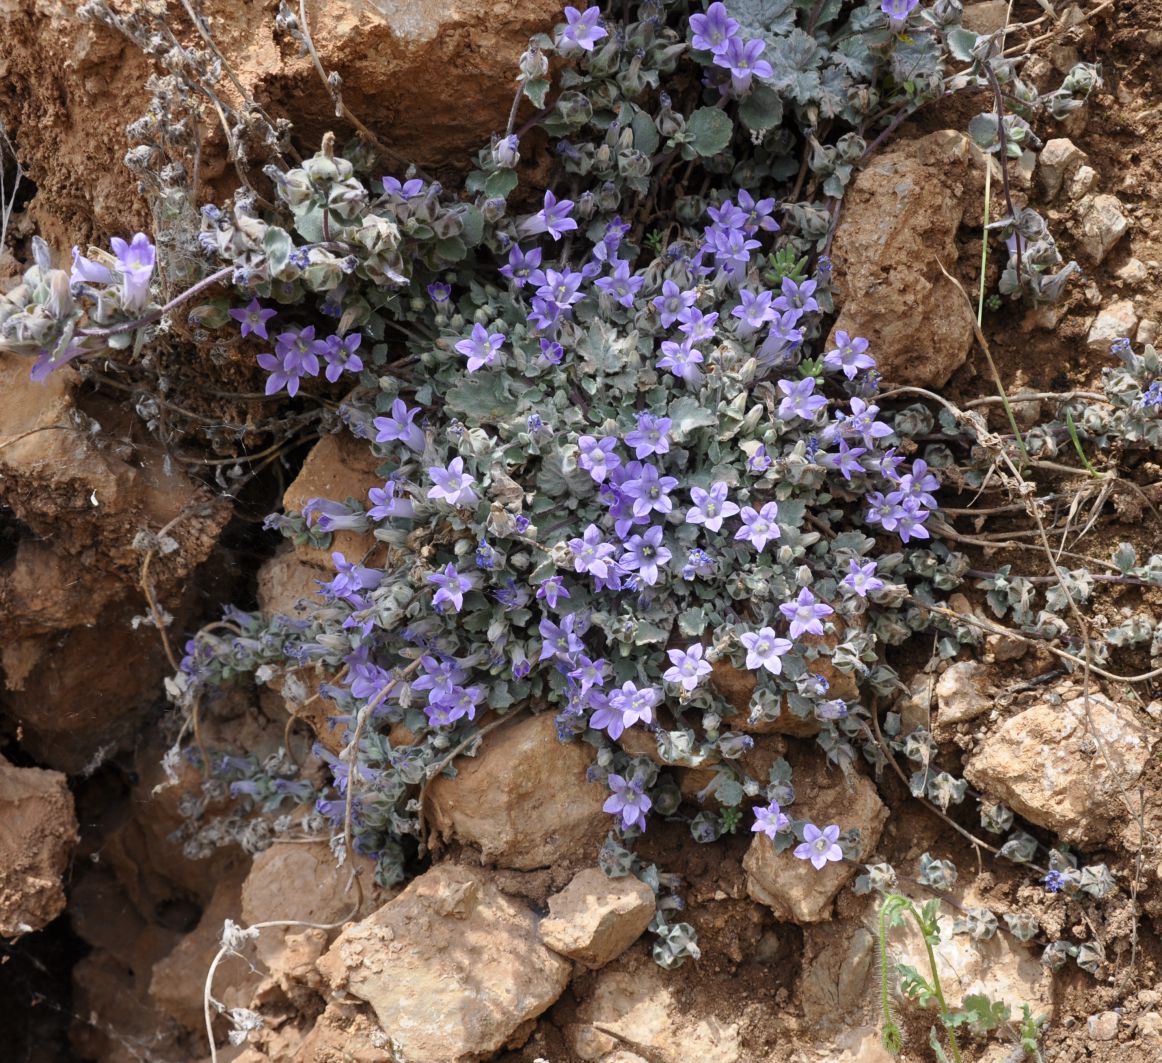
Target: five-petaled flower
<point>553,218</point>
<point>628,800</point>
<point>450,587</point>
<point>819,846</point>
<point>452,484</point>
<point>624,707</point>
<point>769,820</point>
<point>481,348</point>
<point>764,649</point>
<point>806,613</point>
<point>711,507</point>
<point>253,318</point>
<point>758,526</point>
<point>687,666</point>
<point>583,28</point>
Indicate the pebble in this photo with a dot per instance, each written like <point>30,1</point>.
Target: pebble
<point>1103,1026</point>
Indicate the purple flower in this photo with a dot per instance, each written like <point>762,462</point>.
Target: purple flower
<point>672,302</point>
<point>400,426</point>
<point>650,491</point>
<point>687,667</point>
<point>819,846</point>
<point>521,265</point>
<point>385,503</point>
<point>450,587</point>
<point>698,326</point>
<point>799,399</point>
<point>551,352</point>
<point>758,213</point>
<point>850,355</point>
<point>898,12</point>
<point>621,285</point>
<point>1054,881</point>
<point>589,674</point>
<point>910,521</point>
<point>625,707</point>
<point>339,353</point>
<point>453,484</point>
<point>759,527</point>
<point>769,820</point>
<point>253,318</point>
<point>698,563</point>
<point>86,271</point>
<point>597,457</point>
<point>806,614</point>
<point>295,356</point>
<point>682,359</point>
<point>560,291</point>
<point>644,553</point>
<point>481,348</point>
<point>458,703</point>
<point>553,218</point>
<point>591,554</point>
<point>741,58</point>
<point>861,579</point>
<point>798,296</point>
<point>764,649</point>
<point>135,262</point>
<point>559,640</point>
<point>628,801</point>
<point>583,29</point>
<point>407,190</point>
<point>440,293</point>
<point>650,435</point>
<point>760,461</point>
<point>754,311</point>
<point>352,578</point>
<point>862,423</point>
<point>846,461</point>
<point>331,516</point>
<point>714,29</point>
<point>710,507</point>
<point>833,709</point>
<point>551,590</point>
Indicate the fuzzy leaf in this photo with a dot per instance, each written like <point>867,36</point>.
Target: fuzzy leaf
<point>710,130</point>
<point>762,109</point>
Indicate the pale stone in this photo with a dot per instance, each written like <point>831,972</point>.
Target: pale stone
<point>1103,1026</point>
<point>524,799</point>
<point>1059,159</point>
<point>452,967</point>
<point>1147,332</point>
<point>792,888</point>
<point>596,918</point>
<point>1101,224</point>
<point>1082,182</point>
<point>1116,321</point>
<point>961,692</point>
<point>1047,767</point>
<point>1133,272</point>
<point>987,17</point>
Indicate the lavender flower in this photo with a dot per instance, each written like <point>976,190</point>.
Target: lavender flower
<point>697,326</point>
<point>759,527</point>
<point>597,457</point>
<point>898,12</point>
<point>687,667</point>
<point>650,491</point>
<point>521,265</point>
<point>295,356</point>
<point>591,554</point>
<point>481,348</point>
<point>672,302</point>
<point>764,649</point>
<point>406,190</point>
<point>450,587</point>
<point>589,674</point>
<point>453,484</point>
<point>819,846</point>
<point>622,285</point>
<point>741,58</point>
<point>339,353</point>
<point>560,640</point>
<point>400,426</point>
<point>650,436</point>
<point>712,30</point>
<point>710,507</point>
<point>754,311</point>
<point>551,591</point>
<point>861,579</point>
<point>135,263</point>
<point>644,554</point>
<point>624,708</point>
<point>1054,881</point>
<point>553,218</point>
<point>758,213</point>
<point>682,359</point>
<point>440,293</point>
<point>252,318</point>
<point>769,820</point>
<point>583,29</point>
<point>849,356</point>
<point>86,271</point>
<point>385,503</point>
<point>806,614</point>
<point>799,399</point>
<point>798,296</point>
<point>628,801</point>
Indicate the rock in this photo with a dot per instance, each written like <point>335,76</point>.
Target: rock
<point>1059,159</point>
<point>987,17</point>
<point>1044,764</point>
<point>917,706</point>
<point>596,918</point>
<point>292,880</point>
<point>38,829</point>
<point>1149,1027</point>
<point>792,888</point>
<point>1082,182</point>
<point>432,79</point>
<point>524,799</point>
<point>1147,332</point>
<point>452,967</point>
<point>1103,1026</point>
<point>637,1001</point>
<point>836,982</point>
<point>1115,321</point>
<point>344,1033</point>
<point>1101,224</point>
<point>962,693</point>
<point>900,219</point>
<point>999,647</point>
<point>1133,272</point>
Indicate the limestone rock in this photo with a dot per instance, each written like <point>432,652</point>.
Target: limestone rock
<point>1101,224</point>
<point>792,888</point>
<point>1114,322</point>
<point>962,692</point>
<point>1103,1026</point>
<point>1046,766</point>
<point>1059,160</point>
<point>596,918</point>
<point>637,1000</point>
<point>344,1033</point>
<point>986,17</point>
<point>452,967</point>
<point>900,218</point>
<point>38,829</point>
<point>524,799</point>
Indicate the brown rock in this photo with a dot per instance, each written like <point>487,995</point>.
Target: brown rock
<point>636,1000</point>
<point>524,799</point>
<point>344,1033</point>
<point>792,888</point>
<point>900,219</point>
<point>1101,223</point>
<point>1047,766</point>
<point>452,967</point>
<point>38,829</point>
<point>596,918</point>
<point>962,692</point>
